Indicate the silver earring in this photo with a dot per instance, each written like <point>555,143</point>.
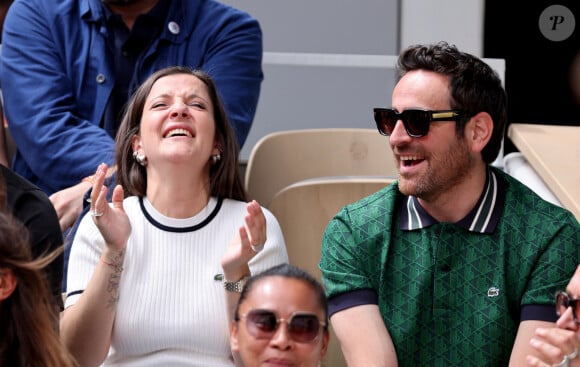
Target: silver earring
<point>216,158</point>
<point>140,158</point>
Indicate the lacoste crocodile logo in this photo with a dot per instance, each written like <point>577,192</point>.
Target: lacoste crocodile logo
<point>493,292</point>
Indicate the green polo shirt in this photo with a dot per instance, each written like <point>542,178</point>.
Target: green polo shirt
<point>452,294</point>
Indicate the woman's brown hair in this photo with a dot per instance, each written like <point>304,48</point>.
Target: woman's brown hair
<point>29,324</point>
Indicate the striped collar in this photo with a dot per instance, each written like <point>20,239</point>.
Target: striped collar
<point>483,218</point>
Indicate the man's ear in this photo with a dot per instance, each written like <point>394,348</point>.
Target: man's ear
<point>479,130</point>
<point>8,283</point>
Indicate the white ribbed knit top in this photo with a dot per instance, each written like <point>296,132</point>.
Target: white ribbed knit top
<point>171,310</point>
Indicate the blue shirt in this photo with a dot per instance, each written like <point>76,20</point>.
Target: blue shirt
<point>128,46</point>
<point>57,76</point>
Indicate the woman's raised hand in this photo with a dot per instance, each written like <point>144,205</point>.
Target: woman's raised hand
<point>249,240</point>
<point>111,220</point>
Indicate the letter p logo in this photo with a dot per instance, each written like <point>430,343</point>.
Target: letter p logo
<point>557,23</point>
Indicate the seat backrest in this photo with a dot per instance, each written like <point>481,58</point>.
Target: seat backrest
<point>303,210</point>
<point>281,158</point>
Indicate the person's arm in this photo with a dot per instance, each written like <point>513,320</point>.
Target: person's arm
<point>552,262</point>
<point>86,326</point>
<point>68,202</point>
<point>366,342</point>
<point>522,347</point>
<point>262,229</point>
<point>553,343</point>
<point>360,330</point>
<point>239,251</point>
<point>41,102</point>
<point>234,60</point>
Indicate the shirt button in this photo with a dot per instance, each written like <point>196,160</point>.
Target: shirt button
<point>173,27</point>
<point>100,78</point>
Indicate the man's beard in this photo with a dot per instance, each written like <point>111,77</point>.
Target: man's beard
<point>448,169</point>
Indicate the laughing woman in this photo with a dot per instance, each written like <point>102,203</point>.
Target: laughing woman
<point>154,276</point>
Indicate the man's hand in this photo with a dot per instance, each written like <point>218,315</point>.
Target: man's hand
<point>68,204</point>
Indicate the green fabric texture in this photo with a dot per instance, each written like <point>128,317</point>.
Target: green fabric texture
<point>448,296</point>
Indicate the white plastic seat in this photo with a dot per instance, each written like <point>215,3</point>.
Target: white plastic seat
<point>303,210</point>
<point>281,158</point>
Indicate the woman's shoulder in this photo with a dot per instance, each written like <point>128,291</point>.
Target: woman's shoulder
<point>234,205</point>
<point>131,201</point>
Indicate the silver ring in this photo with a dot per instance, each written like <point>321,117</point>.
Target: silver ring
<point>574,354</point>
<point>257,248</point>
<point>564,363</point>
<point>95,213</point>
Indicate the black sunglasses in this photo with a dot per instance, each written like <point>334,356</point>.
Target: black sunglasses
<point>303,327</point>
<point>416,122</point>
<point>563,301</point>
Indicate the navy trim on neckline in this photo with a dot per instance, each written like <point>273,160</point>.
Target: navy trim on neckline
<point>483,218</point>
<point>163,227</point>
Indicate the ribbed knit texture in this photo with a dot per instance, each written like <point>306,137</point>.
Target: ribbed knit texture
<point>171,311</point>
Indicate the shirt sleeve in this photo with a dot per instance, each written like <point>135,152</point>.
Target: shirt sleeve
<point>343,263</point>
<point>40,103</point>
<point>33,208</point>
<point>234,61</point>
<point>556,263</point>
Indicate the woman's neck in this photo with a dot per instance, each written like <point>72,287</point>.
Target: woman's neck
<point>179,198</point>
